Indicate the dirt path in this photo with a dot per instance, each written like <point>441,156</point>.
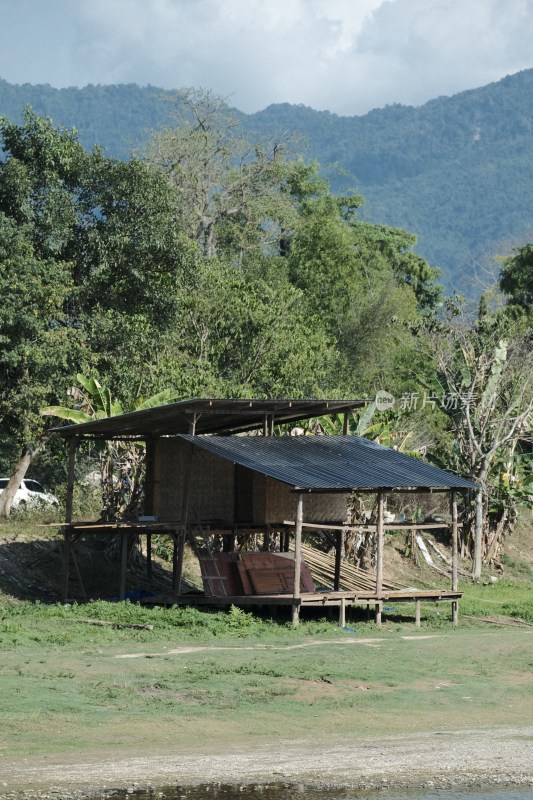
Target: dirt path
<point>440,759</point>
<point>208,648</point>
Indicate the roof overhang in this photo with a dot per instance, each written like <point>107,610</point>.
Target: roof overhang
<point>202,416</point>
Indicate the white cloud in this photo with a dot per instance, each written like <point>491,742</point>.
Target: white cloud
<point>343,55</point>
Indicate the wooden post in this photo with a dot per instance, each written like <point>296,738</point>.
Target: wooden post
<point>297,559</point>
<point>379,556</point>
<point>338,561</point>
<point>179,547</point>
<point>73,444</point>
<point>149,477</point>
<point>345,424</point>
<point>65,552</point>
<point>342,613</point>
<point>177,562</point>
<point>417,613</point>
<point>266,538</point>
<point>455,579</point>
<point>69,503</point>
<point>123,564</point>
<point>149,556</point>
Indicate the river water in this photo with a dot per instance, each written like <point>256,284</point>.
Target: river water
<point>302,792</point>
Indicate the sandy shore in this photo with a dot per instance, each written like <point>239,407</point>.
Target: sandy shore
<point>439,759</point>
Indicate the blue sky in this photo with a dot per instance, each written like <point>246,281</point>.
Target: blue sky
<point>346,56</point>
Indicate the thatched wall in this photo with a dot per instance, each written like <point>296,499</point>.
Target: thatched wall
<point>212,483</point>
<point>212,493</point>
<point>281,504</point>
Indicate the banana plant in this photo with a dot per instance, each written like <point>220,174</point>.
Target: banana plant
<point>121,463</point>
<point>385,432</point>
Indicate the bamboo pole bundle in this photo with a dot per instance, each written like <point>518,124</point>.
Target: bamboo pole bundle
<point>322,566</point>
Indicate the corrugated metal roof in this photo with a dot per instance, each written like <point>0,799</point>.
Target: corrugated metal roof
<point>208,415</point>
<point>329,463</point>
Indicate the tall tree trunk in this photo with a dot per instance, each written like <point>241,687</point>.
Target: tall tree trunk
<point>478,536</point>
<point>8,495</point>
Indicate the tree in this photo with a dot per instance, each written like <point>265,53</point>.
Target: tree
<point>516,278</point>
<point>253,338</point>
<point>322,261</point>
<point>394,247</point>
<point>37,351</point>
<point>227,188</point>
<point>81,236</point>
<point>485,374</point>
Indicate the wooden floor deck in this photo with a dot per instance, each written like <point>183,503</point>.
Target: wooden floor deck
<point>362,595</point>
<point>341,600</point>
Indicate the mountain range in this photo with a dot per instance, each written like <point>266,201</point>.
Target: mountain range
<point>456,171</point>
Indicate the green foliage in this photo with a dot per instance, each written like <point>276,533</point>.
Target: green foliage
<point>80,236</point>
<point>323,262</point>
<point>516,278</point>
<point>254,339</point>
<point>447,170</point>
<point>36,349</point>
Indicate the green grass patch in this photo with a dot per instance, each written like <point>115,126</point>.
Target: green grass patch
<point>36,623</point>
<point>77,696</point>
<point>503,598</point>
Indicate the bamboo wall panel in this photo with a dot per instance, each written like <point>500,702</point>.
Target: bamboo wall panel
<point>212,483</point>
<point>280,504</point>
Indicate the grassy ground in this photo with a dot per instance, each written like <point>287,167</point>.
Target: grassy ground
<point>189,677</point>
<point>68,685</point>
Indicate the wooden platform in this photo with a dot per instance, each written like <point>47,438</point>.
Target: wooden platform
<point>320,599</point>
<point>359,588</point>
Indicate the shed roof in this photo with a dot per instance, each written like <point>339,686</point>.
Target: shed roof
<point>209,416</point>
<point>329,463</point>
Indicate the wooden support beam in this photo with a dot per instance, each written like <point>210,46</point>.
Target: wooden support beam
<point>417,613</point>
<point>266,539</point>
<point>65,553</point>
<point>297,559</point>
<point>149,556</point>
<point>455,579</point>
<point>179,549</point>
<point>180,552</point>
<point>149,476</point>
<point>379,553</point>
<point>174,565</point>
<point>478,536</point>
<point>342,613</point>
<point>73,444</point>
<point>345,423</point>
<point>338,561</point>
<point>388,526</point>
<point>123,563</point>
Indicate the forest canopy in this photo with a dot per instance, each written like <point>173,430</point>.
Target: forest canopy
<point>215,265</point>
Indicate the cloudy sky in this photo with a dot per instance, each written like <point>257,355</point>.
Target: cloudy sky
<point>347,56</point>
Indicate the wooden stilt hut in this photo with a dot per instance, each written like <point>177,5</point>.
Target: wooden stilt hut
<point>205,477</point>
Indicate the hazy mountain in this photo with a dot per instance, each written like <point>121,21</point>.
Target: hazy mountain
<point>457,171</point>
